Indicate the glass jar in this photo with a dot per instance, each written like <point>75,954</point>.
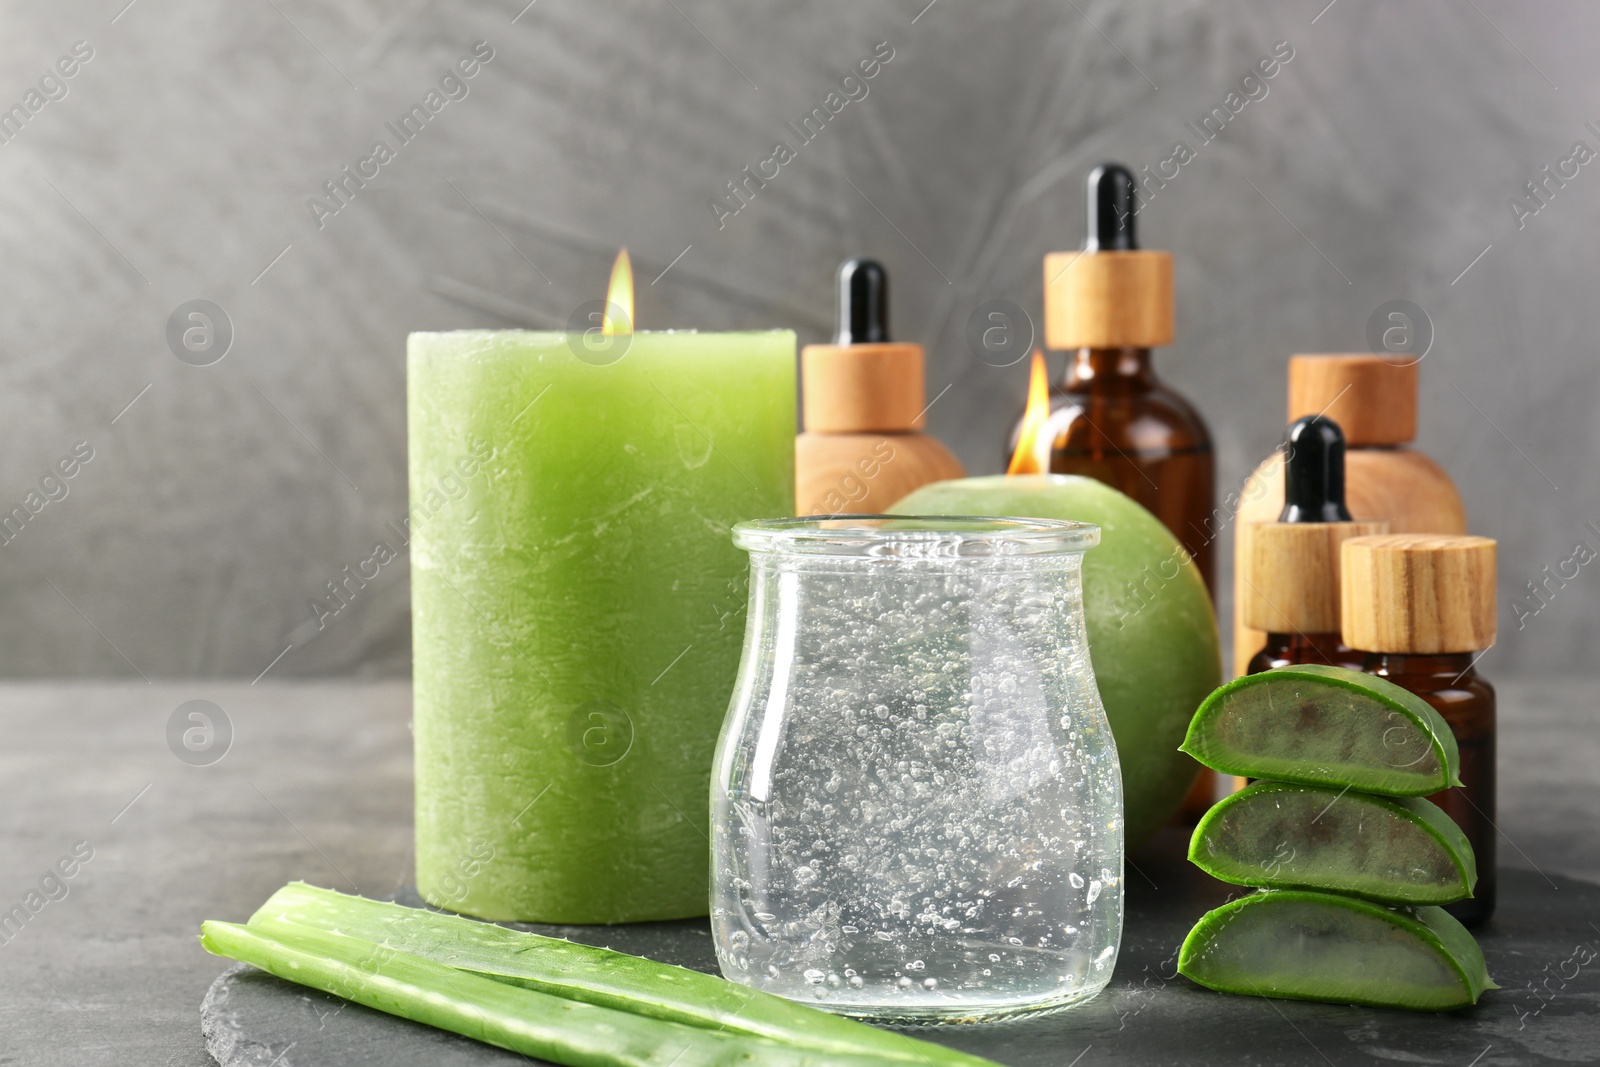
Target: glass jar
<point>916,804</point>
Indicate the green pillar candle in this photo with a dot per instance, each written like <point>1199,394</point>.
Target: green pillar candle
<point>578,608</point>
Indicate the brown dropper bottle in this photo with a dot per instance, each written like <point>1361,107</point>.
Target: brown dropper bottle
<point>1289,580</point>
<point>1111,418</point>
<point>1423,608</point>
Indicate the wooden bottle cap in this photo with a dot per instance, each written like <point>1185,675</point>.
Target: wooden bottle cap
<point>866,473</point>
<point>1373,401</point>
<point>1289,575</point>
<point>863,388</point>
<point>1108,299</point>
<point>1419,593</point>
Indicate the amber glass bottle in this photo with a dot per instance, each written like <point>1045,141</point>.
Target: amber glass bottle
<point>1423,607</point>
<point>1285,650</point>
<point>1111,418</point>
<point>1451,683</point>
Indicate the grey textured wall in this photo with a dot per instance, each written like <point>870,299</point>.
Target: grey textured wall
<point>179,164</point>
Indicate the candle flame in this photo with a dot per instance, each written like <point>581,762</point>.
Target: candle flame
<point>1026,459</point>
<point>619,298</point>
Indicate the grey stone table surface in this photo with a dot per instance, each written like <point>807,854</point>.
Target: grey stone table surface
<point>316,784</point>
<point>1147,1017</point>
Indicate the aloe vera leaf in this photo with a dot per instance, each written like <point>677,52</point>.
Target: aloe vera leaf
<point>1396,850</point>
<point>1316,725</point>
<point>1322,946</point>
<point>595,975</point>
<point>511,1017</point>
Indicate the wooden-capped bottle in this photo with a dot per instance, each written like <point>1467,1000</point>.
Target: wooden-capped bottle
<point>1374,401</point>
<point>1423,609</point>
<point>864,406</point>
<point>1111,418</point>
<point>1289,580</point>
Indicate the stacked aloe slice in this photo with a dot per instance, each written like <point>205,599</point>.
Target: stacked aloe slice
<point>1350,863</point>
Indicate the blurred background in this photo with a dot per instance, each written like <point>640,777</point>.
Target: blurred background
<point>229,481</point>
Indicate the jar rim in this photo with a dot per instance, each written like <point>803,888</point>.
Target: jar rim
<point>916,536</point>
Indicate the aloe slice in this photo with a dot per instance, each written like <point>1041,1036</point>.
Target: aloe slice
<point>1315,725</point>
<point>1400,850</point>
<point>1320,946</point>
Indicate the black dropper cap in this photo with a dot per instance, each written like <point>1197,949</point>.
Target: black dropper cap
<point>863,303</point>
<point>1111,202</point>
<point>1313,478</point>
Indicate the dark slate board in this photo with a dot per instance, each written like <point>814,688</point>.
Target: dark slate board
<point>1544,937</point>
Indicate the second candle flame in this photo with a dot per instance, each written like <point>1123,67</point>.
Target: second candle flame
<point>618,318</point>
<point>1027,459</point>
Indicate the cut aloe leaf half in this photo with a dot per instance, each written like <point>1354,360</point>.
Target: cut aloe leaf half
<point>1315,725</point>
<point>1302,945</point>
<point>1397,850</point>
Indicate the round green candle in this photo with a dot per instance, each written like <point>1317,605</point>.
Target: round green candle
<point>578,607</point>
